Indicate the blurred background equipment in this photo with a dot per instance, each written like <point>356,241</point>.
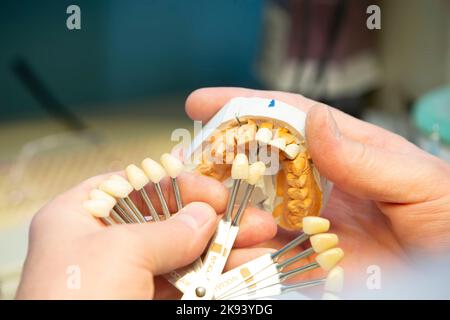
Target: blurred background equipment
<point>321,49</point>
<point>76,103</point>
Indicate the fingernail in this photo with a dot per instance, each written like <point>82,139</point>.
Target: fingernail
<point>194,215</point>
<point>332,125</point>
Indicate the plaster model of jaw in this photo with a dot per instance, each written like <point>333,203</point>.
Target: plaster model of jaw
<point>253,125</point>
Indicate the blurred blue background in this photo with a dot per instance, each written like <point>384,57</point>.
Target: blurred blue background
<point>126,50</point>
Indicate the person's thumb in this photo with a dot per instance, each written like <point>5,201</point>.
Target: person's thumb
<point>368,171</point>
<point>174,243</point>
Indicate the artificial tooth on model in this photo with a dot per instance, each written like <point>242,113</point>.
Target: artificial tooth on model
<point>291,151</point>
<point>263,136</point>
<point>278,143</point>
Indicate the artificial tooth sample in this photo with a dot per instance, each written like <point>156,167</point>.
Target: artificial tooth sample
<point>174,167</point>
<point>239,169</point>
<point>156,173</point>
<point>120,188</point>
<point>97,194</point>
<point>100,209</point>
<point>313,225</point>
<point>328,259</point>
<point>137,215</point>
<point>116,188</point>
<point>239,172</point>
<point>255,172</point>
<point>323,241</point>
<point>335,280</point>
<point>138,180</point>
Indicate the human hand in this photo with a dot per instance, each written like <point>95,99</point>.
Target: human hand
<point>126,261</point>
<point>390,201</point>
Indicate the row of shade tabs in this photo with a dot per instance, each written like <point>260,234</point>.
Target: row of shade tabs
<point>111,201</point>
<point>264,276</point>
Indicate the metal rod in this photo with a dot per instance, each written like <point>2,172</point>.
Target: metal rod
<point>128,210</point>
<point>116,216</point>
<point>299,240</point>
<point>177,193</point>
<point>150,206</point>
<point>232,200</point>
<point>302,285</point>
<point>295,258</point>
<point>135,210</point>
<point>123,214</point>
<point>243,206</point>
<point>164,206</point>
<point>108,221</point>
<point>288,274</point>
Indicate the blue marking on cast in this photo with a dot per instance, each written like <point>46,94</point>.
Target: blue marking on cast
<point>271,104</point>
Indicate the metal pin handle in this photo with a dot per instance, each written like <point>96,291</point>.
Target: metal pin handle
<point>135,210</point>
<point>116,216</point>
<point>232,200</point>
<point>288,274</point>
<point>302,285</point>
<point>128,210</point>
<point>177,193</point>
<point>162,200</point>
<point>243,206</point>
<point>123,214</point>
<point>299,240</point>
<point>150,206</point>
<point>295,258</point>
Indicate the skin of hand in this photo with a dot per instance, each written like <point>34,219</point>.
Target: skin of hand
<point>126,261</point>
<point>391,200</point>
